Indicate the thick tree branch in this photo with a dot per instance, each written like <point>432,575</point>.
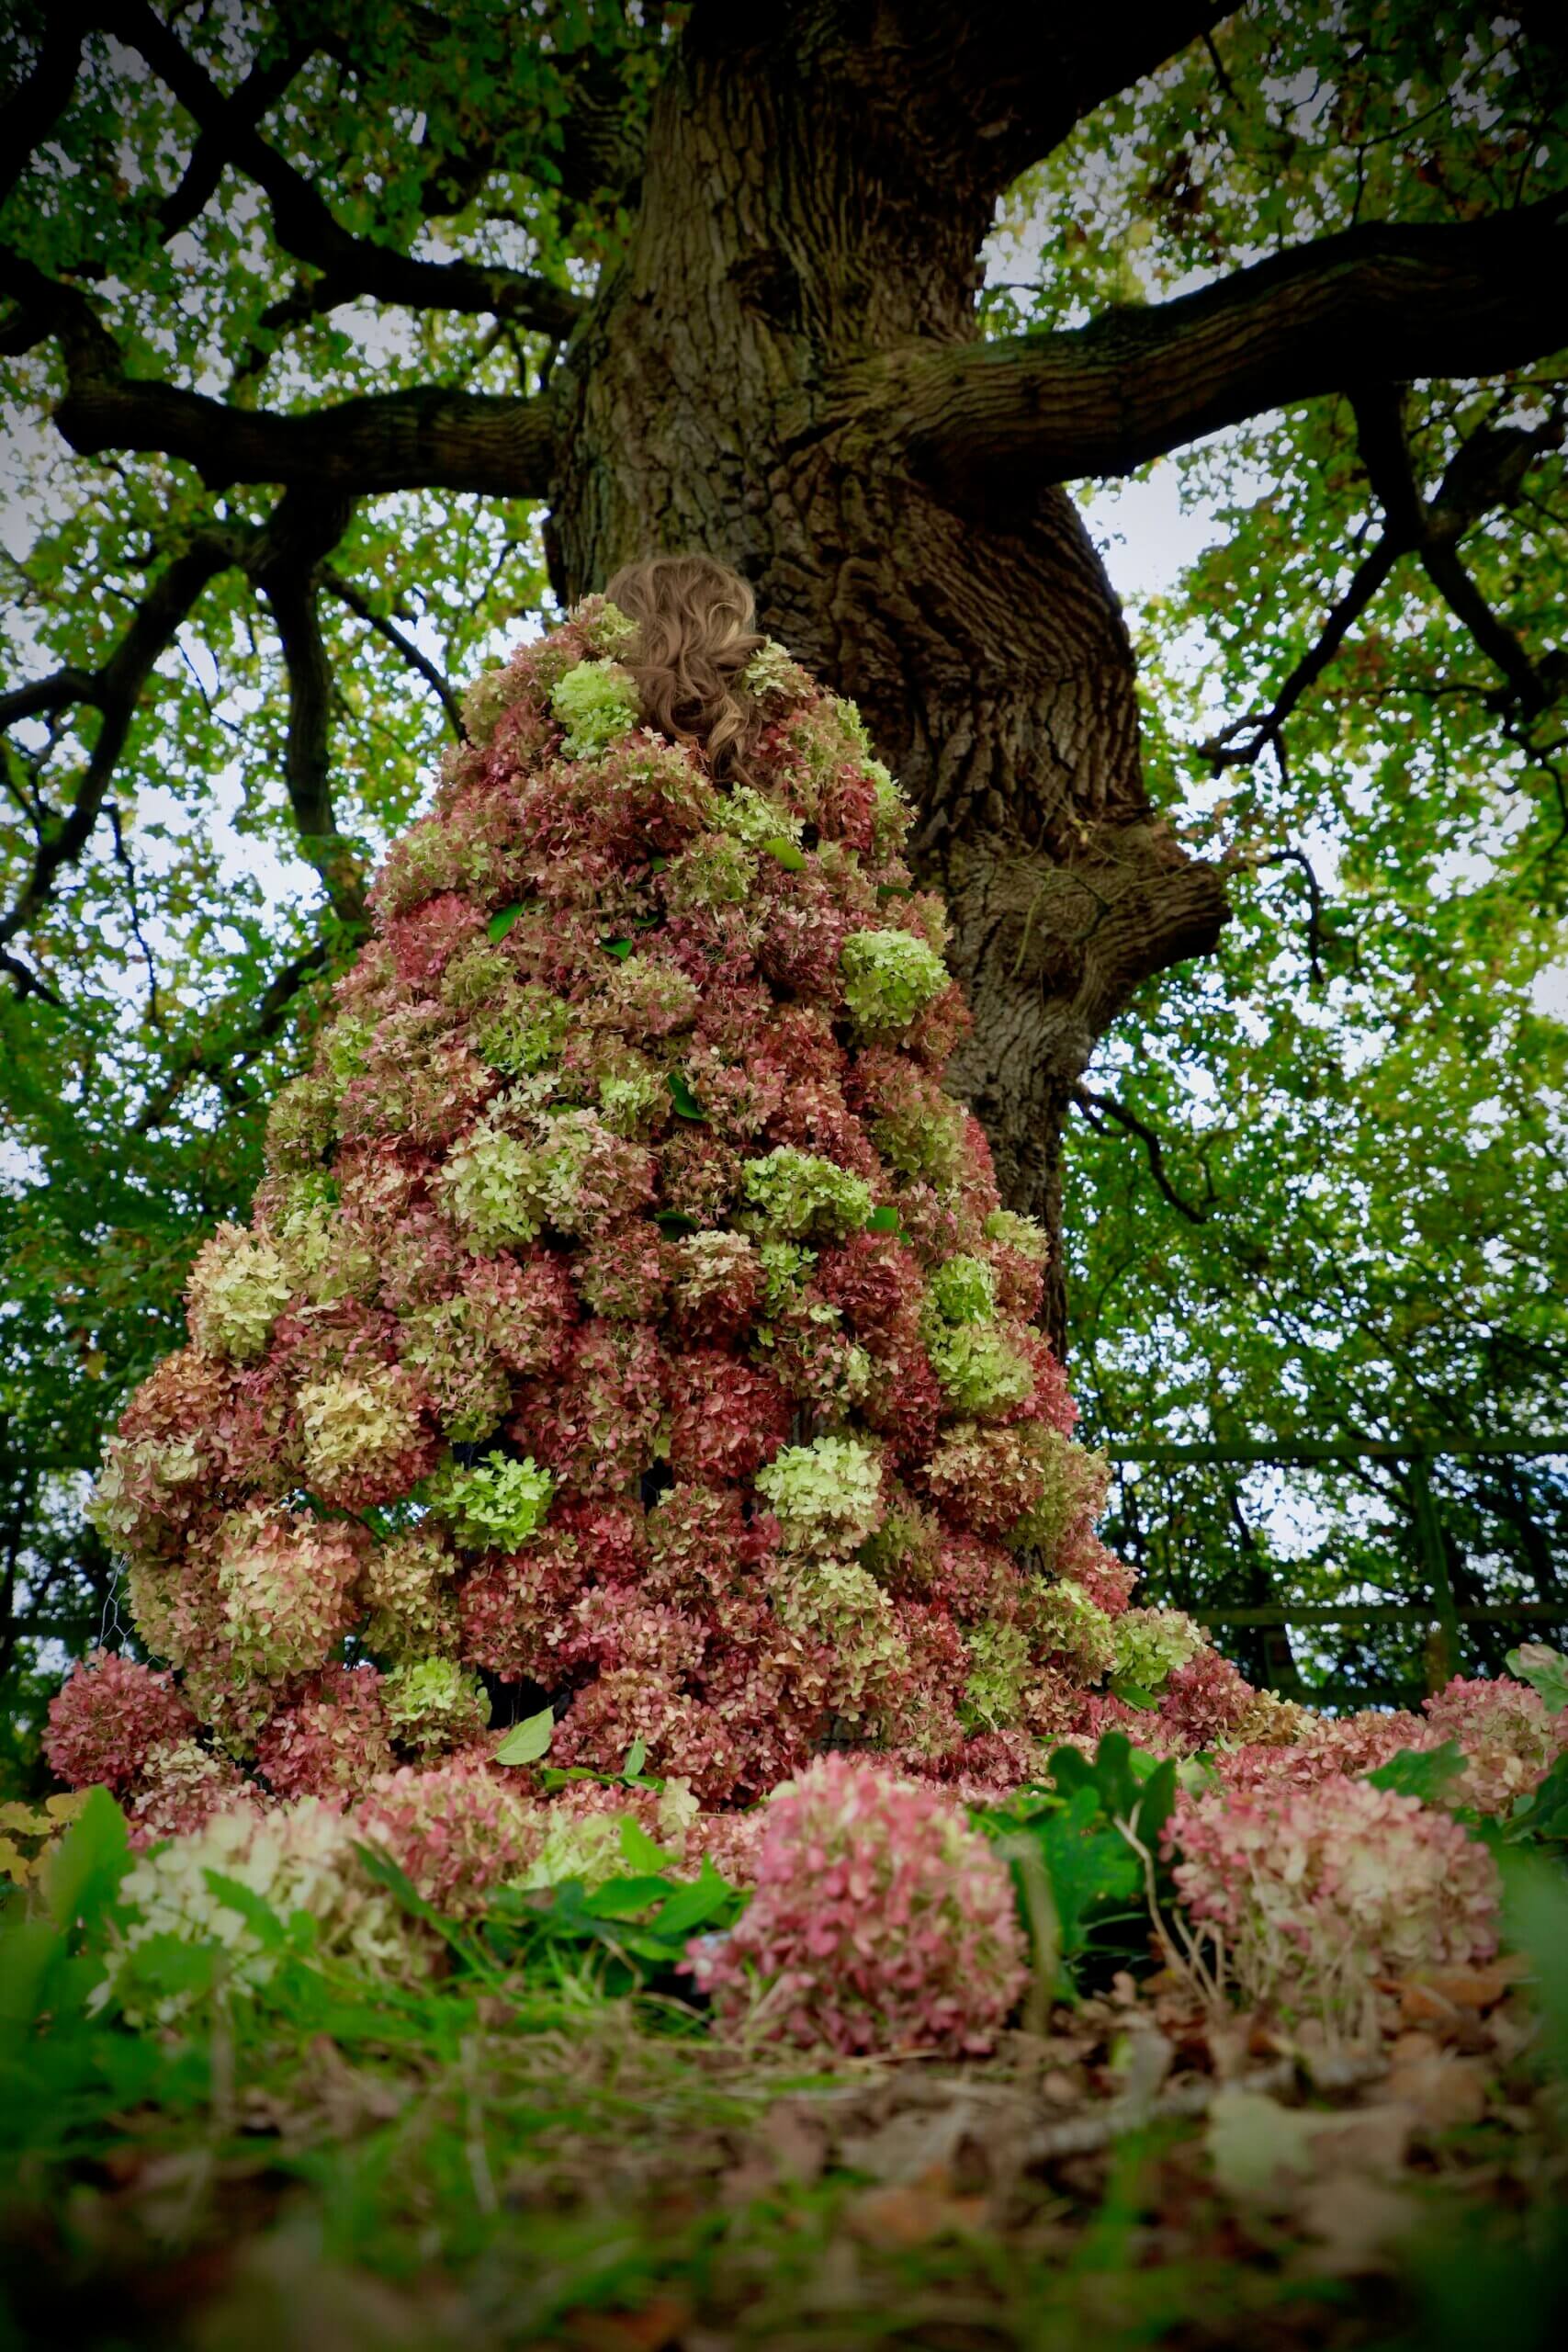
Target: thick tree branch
<point>305,225</point>
<point>281,557</point>
<point>114,691</point>
<point>1491,471</point>
<point>975,94</point>
<point>41,97</point>
<point>996,422</point>
<point>260,89</point>
<point>289,578</point>
<point>422,438</point>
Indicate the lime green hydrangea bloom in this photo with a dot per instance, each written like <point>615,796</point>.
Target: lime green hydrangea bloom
<point>325,1255</point>
<point>1012,1231</point>
<point>979,1374</point>
<point>630,1101</point>
<point>595,702</point>
<point>964,1290</point>
<point>786,1269</point>
<point>478,977</point>
<point>492,1188</point>
<point>905,1545</point>
<point>838,1603</point>
<point>1152,1642</point>
<point>889,977</point>
<point>1063,1617</point>
<point>998,1671</point>
<point>797,1195</point>
<point>772,671</point>
<point>345,1045</point>
<point>752,819</point>
<point>433,1703</point>
<point>497,1502</point>
<point>239,1286</point>
<point>523,1032</point>
<point>827,1493</point>
<point>353,1421</point>
<point>1075,1481</point>
<point>408,1593</point>
<point>301,1127</point>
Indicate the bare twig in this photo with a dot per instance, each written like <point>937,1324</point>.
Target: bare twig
<point>1090,1103</point>
<point>360,605</point>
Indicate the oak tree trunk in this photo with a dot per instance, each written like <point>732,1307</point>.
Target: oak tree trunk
<point>785,235</point>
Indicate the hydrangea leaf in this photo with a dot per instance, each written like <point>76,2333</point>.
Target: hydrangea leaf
<point>528,1741</point>
<point>1546,1672</point>
<point>1427,1773</point>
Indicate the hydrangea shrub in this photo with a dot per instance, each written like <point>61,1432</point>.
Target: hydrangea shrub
<point>626,1312</point>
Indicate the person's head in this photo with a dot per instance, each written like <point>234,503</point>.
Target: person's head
<point>695,634</point>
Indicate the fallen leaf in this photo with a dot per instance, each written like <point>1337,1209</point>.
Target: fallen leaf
<point>1258,2148</point>
<point>1435,1993</point>
<point>1445,2090</point>
<point>1355,2220</point>
<point>656,2327</point>
<point>915,2214</point>
<point>797,2142</point>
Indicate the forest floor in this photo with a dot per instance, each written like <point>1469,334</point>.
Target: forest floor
<point>510,2158</point>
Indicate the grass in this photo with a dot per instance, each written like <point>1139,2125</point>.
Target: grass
<point>544,2144</point>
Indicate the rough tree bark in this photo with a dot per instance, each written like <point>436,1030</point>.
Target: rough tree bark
<point>791,228</point>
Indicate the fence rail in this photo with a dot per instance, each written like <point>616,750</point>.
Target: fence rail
<point>1442,1613</point>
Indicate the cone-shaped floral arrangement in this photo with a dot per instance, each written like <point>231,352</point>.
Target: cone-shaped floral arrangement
<point>628,1321</point>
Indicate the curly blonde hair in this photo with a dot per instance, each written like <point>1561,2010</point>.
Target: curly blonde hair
<point>695,634</point>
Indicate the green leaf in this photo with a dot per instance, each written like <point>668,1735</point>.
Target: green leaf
<point>1546,1672</point>
<point>1088,1864</point>
<point>779,846</point>
<point>675,1223</point>
<point>636,1756</point>
<point>1424,1772</point>
<point>257,1915</point>
<point>528,1741</point>
<point>882,1220</point>
<point>619,948</point>
<point>685,1101</point>
<point>85,1870</point>
<point>625,1898</point>
<point>1134,1693</point>
<point>691,1907</point>
<point>501,923</point>
<point>638,1848</point>
<point>1543,1814</point>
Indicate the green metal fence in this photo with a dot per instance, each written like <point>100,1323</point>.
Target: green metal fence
<point>1441,1612</point>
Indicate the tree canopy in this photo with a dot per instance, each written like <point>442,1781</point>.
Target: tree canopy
<point>308,310</point>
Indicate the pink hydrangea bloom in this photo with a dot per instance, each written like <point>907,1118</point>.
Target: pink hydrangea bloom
<point>329,1741</point>
<point>880,1921</point>
<point>183,1786</point>
<point>454,1830</point>
<point>1509,1740</point>
<point>107,1718</point>
<point>1314,1894</point>
<point>1204,1698</point>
